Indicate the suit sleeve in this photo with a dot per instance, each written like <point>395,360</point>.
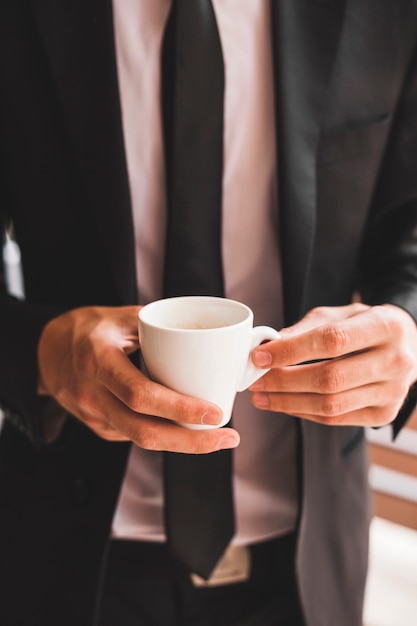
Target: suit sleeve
<point>21,324</point>
<point>388,267</point>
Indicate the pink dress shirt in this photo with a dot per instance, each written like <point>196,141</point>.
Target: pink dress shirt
<point>265,485</point>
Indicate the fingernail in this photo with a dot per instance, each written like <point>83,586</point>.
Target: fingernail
<point>262,358</point>
<point>211,419</point>
<point>261,400</point>
<point>228,442</point>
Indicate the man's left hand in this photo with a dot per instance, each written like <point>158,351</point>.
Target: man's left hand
<point>350,365</point>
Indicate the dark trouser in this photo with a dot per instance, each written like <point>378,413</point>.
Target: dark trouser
<point>145,586</point>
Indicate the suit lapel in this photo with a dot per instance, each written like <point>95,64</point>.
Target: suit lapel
<point>306,35</point>
<point>78,39</point>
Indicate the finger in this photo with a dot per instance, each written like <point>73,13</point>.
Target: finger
<point>372,417</point>
<point>155,434</point>
<point>330,376</point>
<point>331,340</point>
<point>112,420</point>
<point>333,405</point>
<point>142,395</point>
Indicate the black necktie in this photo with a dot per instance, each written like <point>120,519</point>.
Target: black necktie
<point>198,492</point>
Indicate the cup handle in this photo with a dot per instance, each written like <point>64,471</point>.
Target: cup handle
<point>251,372</point>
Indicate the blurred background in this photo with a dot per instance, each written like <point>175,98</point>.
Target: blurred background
<point>391,595</point>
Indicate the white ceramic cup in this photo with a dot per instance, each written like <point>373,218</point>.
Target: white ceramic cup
<point>201,346</point>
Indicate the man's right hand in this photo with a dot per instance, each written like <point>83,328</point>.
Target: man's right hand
<point>83,360</point>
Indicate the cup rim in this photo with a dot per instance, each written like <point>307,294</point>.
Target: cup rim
<point>143,313</point>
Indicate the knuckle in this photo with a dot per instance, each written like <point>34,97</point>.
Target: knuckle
<point>200,446</point>
<point>400,364</point>
<point>334,339</point>
<point>395,327</point>
<point>146,439</point>
<point>359,307</point>
<point>331,378</point>
<point>317,312</point>
<point>405,361</point>
<point>139,397</point>
<point>184,412</point>
<point>331,406</point>
<point>392,323</point>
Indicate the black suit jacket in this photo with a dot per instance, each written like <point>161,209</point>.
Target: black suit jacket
<point>346,97</point>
